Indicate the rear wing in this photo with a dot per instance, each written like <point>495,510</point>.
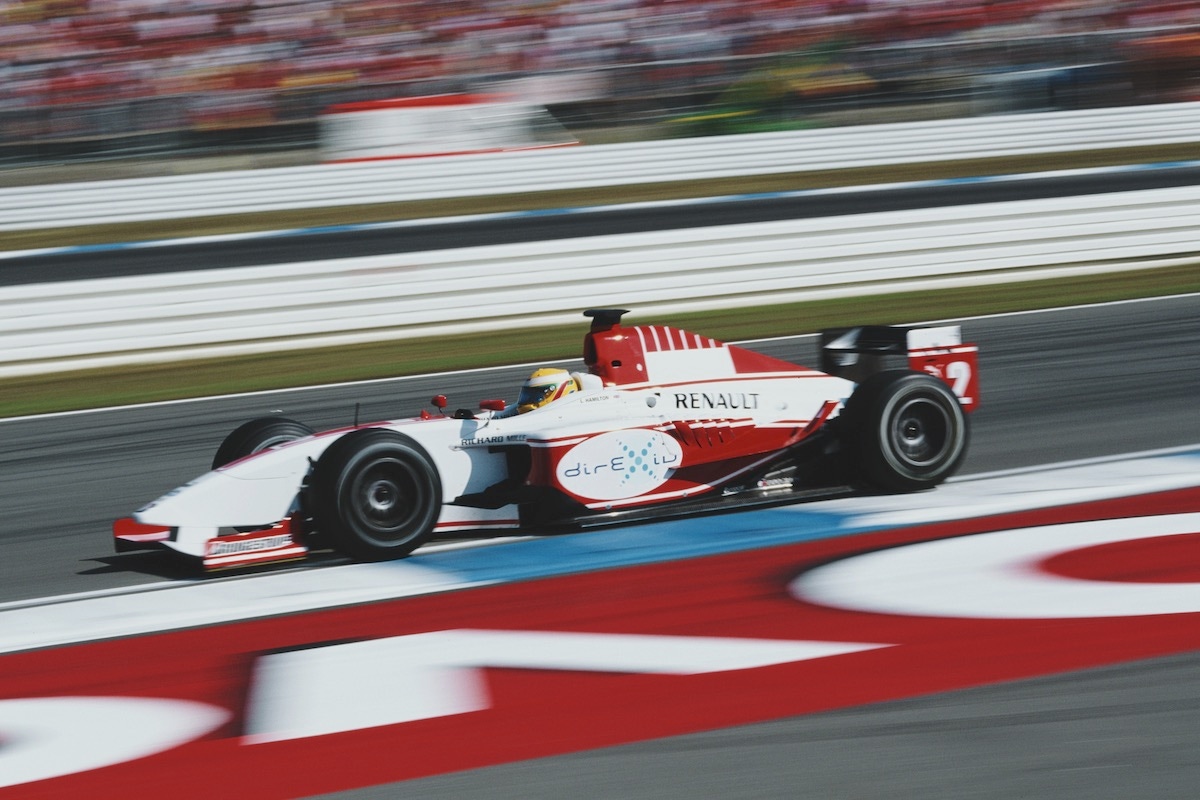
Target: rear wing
<point>856,353</point>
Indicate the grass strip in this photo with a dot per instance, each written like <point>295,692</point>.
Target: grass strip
<point>98,388</point>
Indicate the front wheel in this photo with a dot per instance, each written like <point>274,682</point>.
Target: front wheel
<point>906,430</point>
<point>257,435</point>
<point>374,495</point>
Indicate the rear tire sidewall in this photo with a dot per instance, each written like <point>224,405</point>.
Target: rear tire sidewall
<point>374,495</point>
<point>909,431</point>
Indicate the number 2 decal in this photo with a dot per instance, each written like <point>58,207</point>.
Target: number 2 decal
<point>955,367</point>
<point>960,373</point>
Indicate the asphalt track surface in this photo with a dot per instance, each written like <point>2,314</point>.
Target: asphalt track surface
<point>1115,733</point>
<point>1065,384</point>
<point>1059,385</point>
<point>318,244</point>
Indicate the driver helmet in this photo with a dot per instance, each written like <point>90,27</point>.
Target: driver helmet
<point>545,386</point>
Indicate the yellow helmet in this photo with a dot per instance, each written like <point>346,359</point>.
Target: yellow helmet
<point>545,386</point>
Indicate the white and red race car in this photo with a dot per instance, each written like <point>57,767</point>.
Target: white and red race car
<point>664,422</point>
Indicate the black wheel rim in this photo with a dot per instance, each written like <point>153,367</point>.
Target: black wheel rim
<point>386,500</point>
<point>920,432</point>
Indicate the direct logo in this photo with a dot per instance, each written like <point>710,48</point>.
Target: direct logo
<point>619,464</point>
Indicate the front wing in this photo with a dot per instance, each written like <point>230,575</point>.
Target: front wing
<point>276,544</point>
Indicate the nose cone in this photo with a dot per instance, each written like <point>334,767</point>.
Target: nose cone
<point>258,490</point>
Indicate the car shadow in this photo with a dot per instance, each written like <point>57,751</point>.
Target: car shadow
<point>164,565</point>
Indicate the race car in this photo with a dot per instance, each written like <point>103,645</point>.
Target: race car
<point>662,422</point>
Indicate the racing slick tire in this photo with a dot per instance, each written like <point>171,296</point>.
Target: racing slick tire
<point>374,495</point>
<point>906,431</point>
<point>257,435</point>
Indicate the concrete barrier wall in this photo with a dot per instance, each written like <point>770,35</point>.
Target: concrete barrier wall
<point>48,327</point>
<point>593,166</point>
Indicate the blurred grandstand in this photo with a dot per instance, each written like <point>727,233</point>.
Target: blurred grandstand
<point>115,78</point>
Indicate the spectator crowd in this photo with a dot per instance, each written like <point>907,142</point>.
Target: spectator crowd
<point>95,51</point>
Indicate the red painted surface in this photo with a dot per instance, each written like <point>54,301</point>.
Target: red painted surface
<point>425,101</point>
<point>618,354</point>
<point>540,712</point>
<point>957,366</point>
<point>1170,559</point>
<point>446,153</point>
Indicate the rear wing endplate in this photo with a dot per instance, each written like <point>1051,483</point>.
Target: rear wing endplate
<point>856,353</point>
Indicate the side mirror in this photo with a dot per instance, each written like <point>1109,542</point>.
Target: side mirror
<point>493,405</point>
<point>440,402</point>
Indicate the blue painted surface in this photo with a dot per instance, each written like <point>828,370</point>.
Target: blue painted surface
<point>676,540</point>
<point>650,543</point>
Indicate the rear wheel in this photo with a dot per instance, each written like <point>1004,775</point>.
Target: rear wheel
<point>258,435</point>
<point>906,430</point>
<point>374,495</point>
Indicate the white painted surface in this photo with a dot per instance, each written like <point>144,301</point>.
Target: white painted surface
<point>997,576</point>
<point>184,605</point>
<point>47,737</point>
<point>425,675</point>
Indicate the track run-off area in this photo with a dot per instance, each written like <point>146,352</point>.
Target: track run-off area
<point>700,625</point>
<point>731,647</point>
